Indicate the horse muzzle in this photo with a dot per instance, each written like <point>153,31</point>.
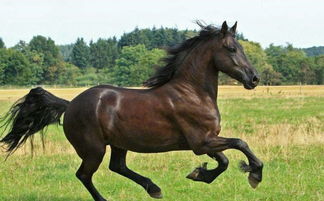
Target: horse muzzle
<point>252,82</point>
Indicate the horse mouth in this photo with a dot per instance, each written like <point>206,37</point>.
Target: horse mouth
<point>249,86</point>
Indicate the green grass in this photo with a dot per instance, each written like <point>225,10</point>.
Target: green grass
<point>298,177</point>
<point>285,132</point>
<point>272,110</point>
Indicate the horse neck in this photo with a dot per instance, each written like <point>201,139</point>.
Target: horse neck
<point>197,73</point>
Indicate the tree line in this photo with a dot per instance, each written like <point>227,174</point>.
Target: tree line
<point>130,60</point>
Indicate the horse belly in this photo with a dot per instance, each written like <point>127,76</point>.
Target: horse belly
<point>146,136</point>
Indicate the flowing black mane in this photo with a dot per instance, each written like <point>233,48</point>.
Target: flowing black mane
<point>165,73</point>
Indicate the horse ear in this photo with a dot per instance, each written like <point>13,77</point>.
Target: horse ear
<point>233,28</point>
<point>224,28</point>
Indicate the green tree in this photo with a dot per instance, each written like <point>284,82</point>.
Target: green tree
<point>21,46</point>
<point>66,51</point>
<point>240,36</point>
<point>62,73</point>
<point>36,60</point>
<point>144,68</point>
<point>47,47</point>
<point>129,57</point>
<point>270,76</point>
<point>155,38</point>
<point>135,37</point>
<point>69,74</point>
<point>103,53</point>
<point>134,65</point>
<point>2,44</point>
<point>80,54</point>
<point>160,37</point>
<point>319,69</point>
<point>287,61</point>
<point>314,51</point>
<point>16,69</point>
<point>88,77</point>
<point>306,71</point>
<point>2,66</point>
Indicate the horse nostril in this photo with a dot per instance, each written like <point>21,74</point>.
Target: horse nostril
<point>255,79</point>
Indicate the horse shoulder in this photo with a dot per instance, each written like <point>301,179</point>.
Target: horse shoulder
<point>198,122</point>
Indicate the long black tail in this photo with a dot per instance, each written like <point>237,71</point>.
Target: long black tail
<point>29,115</point>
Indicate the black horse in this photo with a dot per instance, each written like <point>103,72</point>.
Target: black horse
<point>178,111</point>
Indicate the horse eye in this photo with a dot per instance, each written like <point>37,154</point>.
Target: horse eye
<point>231,49</point>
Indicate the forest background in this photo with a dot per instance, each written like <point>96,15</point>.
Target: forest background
<point>131,59</point>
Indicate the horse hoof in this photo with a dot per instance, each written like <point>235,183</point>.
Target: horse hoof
<point>193,175</point>
<point>197,174</point>
<point>253,181</point>
<point>157,195</point>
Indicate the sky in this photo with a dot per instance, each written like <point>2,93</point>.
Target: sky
<point>300,22</point>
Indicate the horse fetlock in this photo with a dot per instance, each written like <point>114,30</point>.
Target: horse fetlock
<point>259,165</point>
<point>256,167</point>
<point>244,167</point>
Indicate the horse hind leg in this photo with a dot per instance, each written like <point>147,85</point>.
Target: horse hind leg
<point>118,165</point>
<point>89,166</point>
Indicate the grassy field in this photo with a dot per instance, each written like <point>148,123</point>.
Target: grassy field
<point>284,126</point>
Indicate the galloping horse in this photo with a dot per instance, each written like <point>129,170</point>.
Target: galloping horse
<point>178,111</point>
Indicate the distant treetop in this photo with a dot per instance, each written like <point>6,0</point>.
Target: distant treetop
<point>314,51</point>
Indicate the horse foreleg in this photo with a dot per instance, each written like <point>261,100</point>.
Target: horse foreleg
<point>118,165</point>
<point>214,144</point>
<point>208,176</point>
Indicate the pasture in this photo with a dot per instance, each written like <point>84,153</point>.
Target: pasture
<point>283,126</point>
